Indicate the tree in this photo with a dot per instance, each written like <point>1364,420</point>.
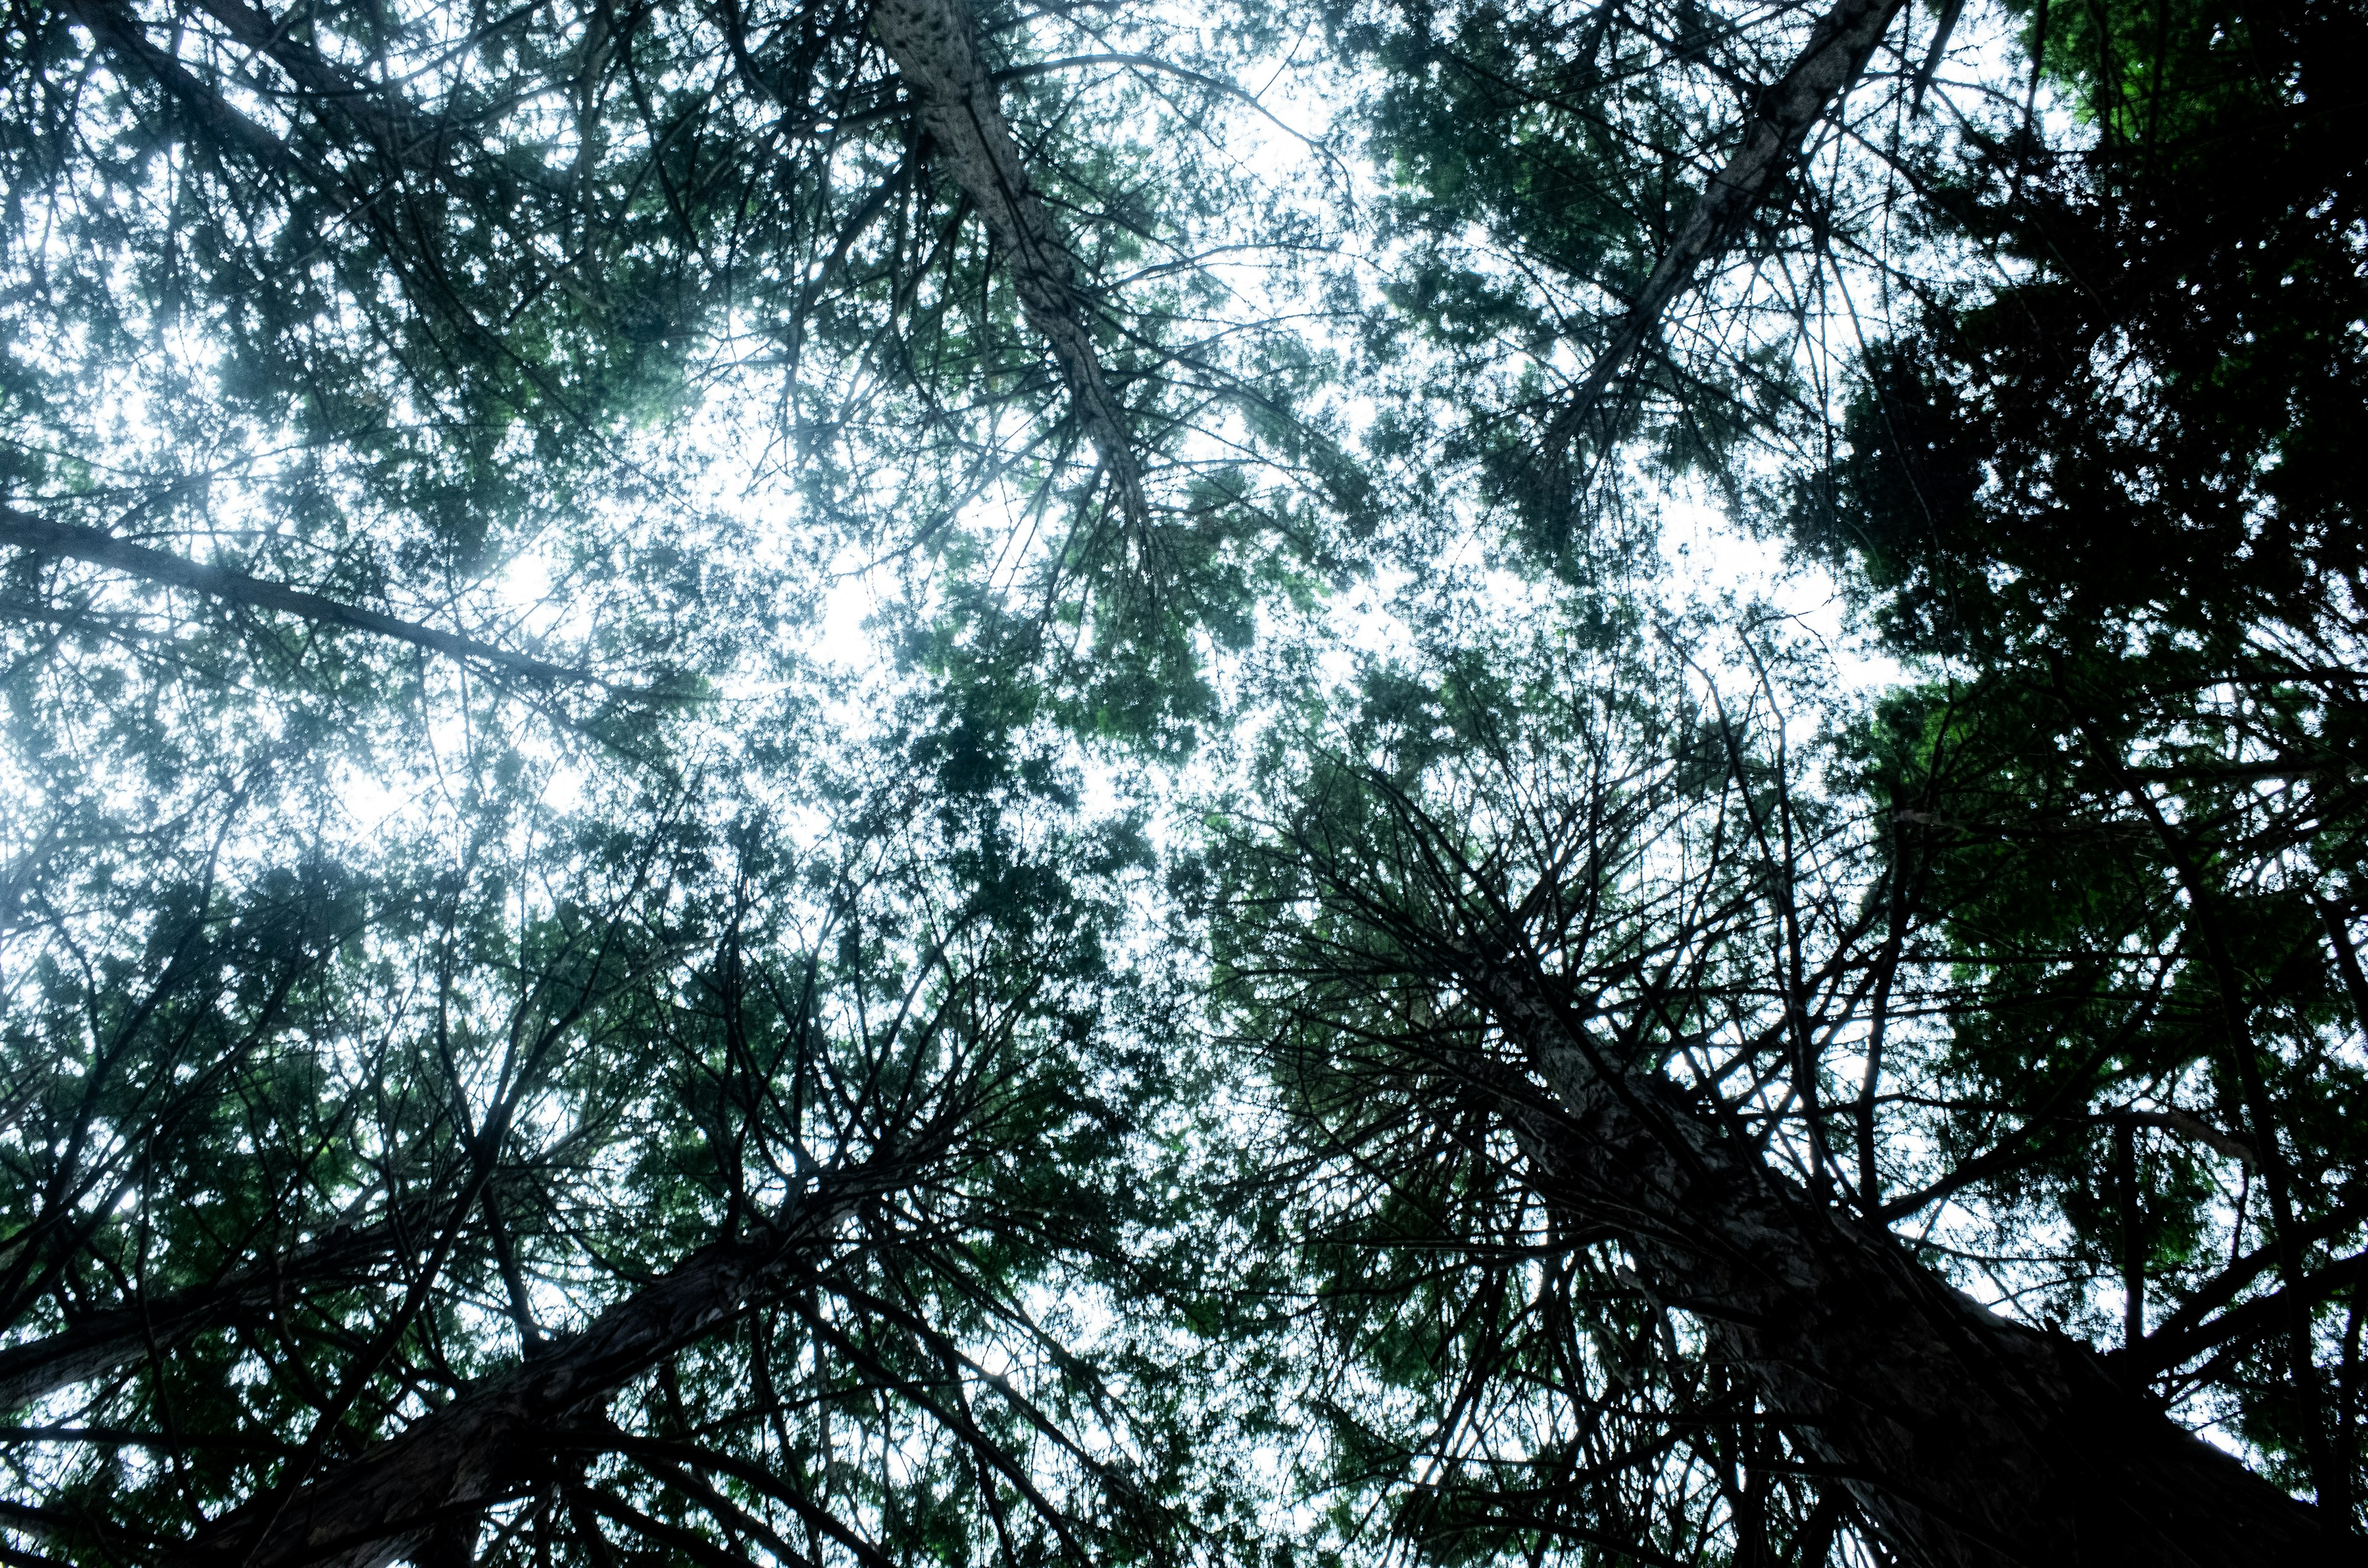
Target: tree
<point>453,1111</point>
<point>383,340</point>
<point>516,1049</point>
<point>1611,222</point>
<point>2106,508</point>
<point>1520,950</point>
<point>582,1171</point>
<point>2075,938</point>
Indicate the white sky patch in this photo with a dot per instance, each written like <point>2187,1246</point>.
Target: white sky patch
<point>1721,572</point>
<point>844,639</point>
<point>369,804</point>
<point>524,588</point>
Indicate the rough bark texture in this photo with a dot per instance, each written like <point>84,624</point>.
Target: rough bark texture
<point>935,46</point>
<point>1834,58</point>
<point>68,541</point>
<point>1970,1441</point>
<point>384,1505</point>
<point>104,1341</point>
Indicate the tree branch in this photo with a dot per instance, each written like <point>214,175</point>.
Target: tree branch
<point>105,1341</point>
<point>1835,57</point>
<point>2257,1319</point>
<point>71,541</point>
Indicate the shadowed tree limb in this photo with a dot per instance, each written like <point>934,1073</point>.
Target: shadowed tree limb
<point>121,32</point>
<point>2258,1320</point>
<point>103,1342</point>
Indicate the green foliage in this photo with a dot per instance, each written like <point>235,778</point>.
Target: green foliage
<point>1072,1015</point>
<point>2111,506</point>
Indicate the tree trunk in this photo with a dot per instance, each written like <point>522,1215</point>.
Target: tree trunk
<point>69,541</point>
<point>103,1342</point>
<point>473,1451</point>
<point>1970,1441</point>
<point>936,50</point>
<point>1834,58</point>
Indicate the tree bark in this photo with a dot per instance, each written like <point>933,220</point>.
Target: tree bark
<point>935,46</point>
<point>1835,57</point>
<point>103,1342</point>
<point>473,1452</point>
<point>1968,1440</point>
<point>69,541</point>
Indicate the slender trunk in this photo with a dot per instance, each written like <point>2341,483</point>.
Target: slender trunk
<point>69,541</point>
<point>935,46</point>
<point>1834,58</point>
<point>474,1451</point>
<point>105,1342</point>
<point>1969,1441</point>
<point>2125,1177</point>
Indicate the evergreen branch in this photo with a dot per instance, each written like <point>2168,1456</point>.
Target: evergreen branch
<point>99,1344</point>
<point>71,541</point>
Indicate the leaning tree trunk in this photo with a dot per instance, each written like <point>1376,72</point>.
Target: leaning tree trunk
<point>1828,66</point>
<point>935,46</point>
<point>1968,1440</point>
<point>480,1448</point>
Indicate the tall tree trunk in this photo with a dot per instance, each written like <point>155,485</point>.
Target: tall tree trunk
<point>475,1451</point>
<point>72,543</point>
<point>1971,1442</point>
<point>935,45</point>
<point>101,1344</point>
<point>1834,58</point>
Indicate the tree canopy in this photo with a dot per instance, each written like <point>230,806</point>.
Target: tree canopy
<point>859,785</point>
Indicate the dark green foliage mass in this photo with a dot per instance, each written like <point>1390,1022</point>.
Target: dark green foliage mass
<point>2114,509</point>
